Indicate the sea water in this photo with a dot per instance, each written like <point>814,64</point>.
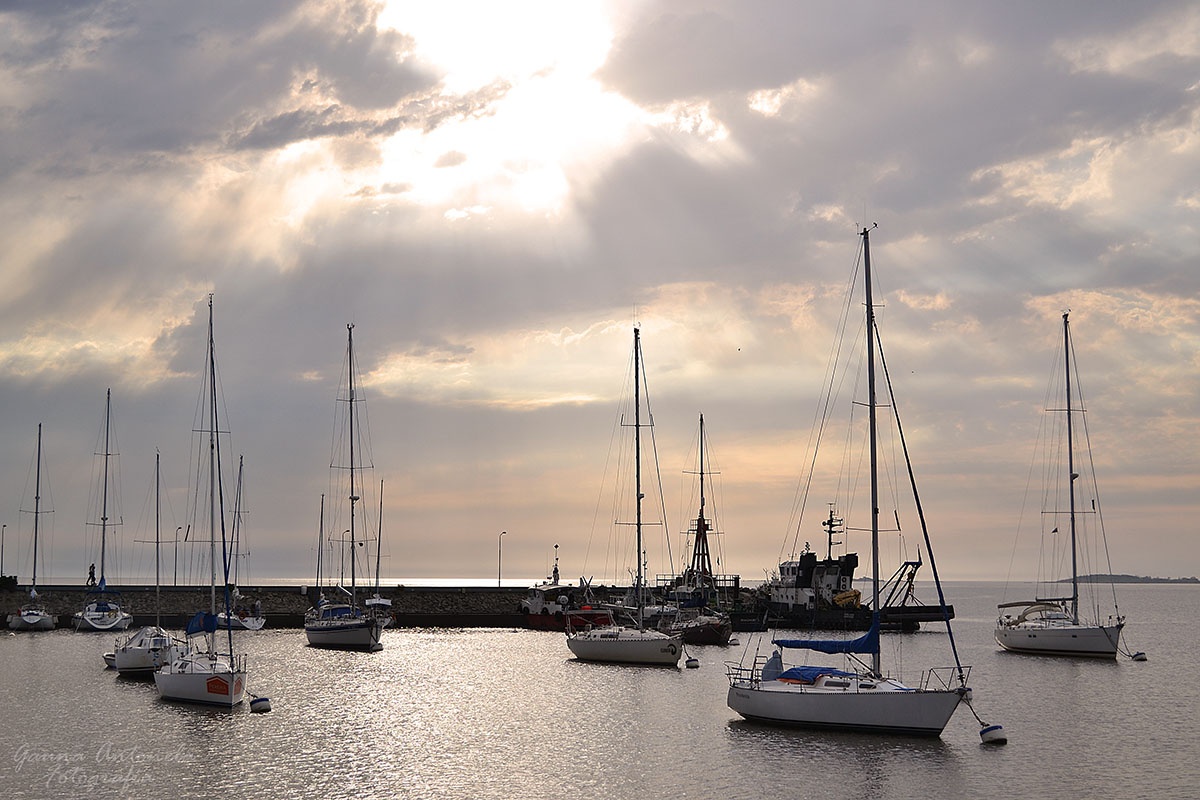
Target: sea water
<point>504,713</point>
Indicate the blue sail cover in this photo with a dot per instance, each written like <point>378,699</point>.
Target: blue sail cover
<point>203,622</point>
<point>867,643</point>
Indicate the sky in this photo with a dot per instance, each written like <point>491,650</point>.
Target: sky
<point>495,194</point>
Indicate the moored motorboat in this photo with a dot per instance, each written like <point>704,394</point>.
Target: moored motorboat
<point>554,606</point>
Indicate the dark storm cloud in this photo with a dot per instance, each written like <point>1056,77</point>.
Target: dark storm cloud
<point>170,77</point>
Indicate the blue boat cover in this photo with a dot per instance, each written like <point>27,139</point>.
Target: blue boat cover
<point>867,643</point>
<point>203,622</point>
<point>810,674</point>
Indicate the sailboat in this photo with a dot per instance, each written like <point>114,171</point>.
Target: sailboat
<point>616,643</point>
<point>1054,625</point>
<point>102,611</point>
<point>244,616</point>
<point>858,696</point>
<point>147,649</point>
<point>698,589</point>
<point>33,616</point>
<point>205,674</point>
<point>343,623</point>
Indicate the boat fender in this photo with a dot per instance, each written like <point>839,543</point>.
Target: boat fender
<point>693,663</point>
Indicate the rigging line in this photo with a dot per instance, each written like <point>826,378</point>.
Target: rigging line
<point>1094,486</point>
<point>662,503</point>
<point>613,444</point>
<point>823,411</point>
<point>920,509</point>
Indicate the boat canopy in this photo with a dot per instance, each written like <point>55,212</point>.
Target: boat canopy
<point>203,622</point>
<point>867,643</point>
<point>810,674</point>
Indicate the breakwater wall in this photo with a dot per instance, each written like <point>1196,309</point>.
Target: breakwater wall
<point>284,606</point>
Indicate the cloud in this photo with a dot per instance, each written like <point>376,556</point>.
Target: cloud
<point>494,205</point>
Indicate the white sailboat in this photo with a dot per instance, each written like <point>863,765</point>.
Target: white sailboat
<point>244,616</point>
<point>146,650</point>
<point>856,696</point>
<point>206,674</point>
<point>1055,625</point>
<point>103,612</point>
<point>342,623</point>
<point>33,616</point>
<point>616,643</point>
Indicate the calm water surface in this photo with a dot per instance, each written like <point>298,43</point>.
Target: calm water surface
<point>500,713</point>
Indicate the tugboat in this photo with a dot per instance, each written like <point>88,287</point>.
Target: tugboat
<point>819,593</point>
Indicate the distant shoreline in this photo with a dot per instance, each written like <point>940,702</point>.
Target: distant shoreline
<point>1129,579</point>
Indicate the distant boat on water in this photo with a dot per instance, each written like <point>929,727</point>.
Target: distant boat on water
<point>146,650</point>
<point>554,606</point>
<point>33,616</point>
<point>696,593</point>
<point>245,615</point>
<point>617,643</point>
<point>343,623</point>
<point>1054,624</point>
<point>103,611</point>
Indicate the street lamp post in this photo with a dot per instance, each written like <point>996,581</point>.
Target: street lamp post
<point>499,555</point>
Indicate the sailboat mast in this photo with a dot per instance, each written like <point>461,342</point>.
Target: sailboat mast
<point>320,541</point>
<point>637,461</point>
<point>157,521</point>
<point>235,545</point>
<point>353,496</point>
<point>104,488</point>
<point>1071,471</point>
<point>866,234</point>
<point>701,555</point>
<point>37,505</point>
<point>212,463</point>
<point>379,539</point>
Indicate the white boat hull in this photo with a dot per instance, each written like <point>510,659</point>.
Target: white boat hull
<point>618,645</point>
<point>360,634</point>
<point>143,653</point>
<point>201,678</point>
<point>1089,641</point>
<point>238,623</point>
<point>32,621</point>
<point>910,712</point>
<point>109,619</point>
